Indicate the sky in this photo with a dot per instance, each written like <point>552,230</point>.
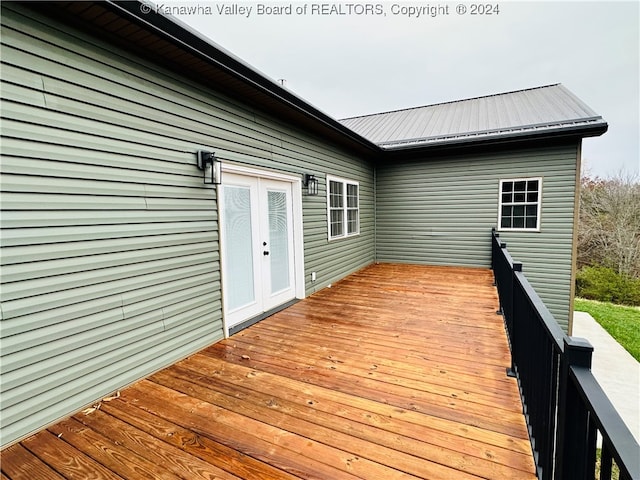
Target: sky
<point>349,59</point>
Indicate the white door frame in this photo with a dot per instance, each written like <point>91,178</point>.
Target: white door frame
<point>298,237</point>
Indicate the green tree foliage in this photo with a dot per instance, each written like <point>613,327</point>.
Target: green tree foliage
<point>607,285</point>
<point>609,239</point>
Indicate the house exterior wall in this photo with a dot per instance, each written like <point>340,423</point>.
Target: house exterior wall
<point>441,210</point>
<point>110,254</point>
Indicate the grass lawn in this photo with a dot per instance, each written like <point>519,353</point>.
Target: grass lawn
<point>615,470</point>
<point>622,323</point>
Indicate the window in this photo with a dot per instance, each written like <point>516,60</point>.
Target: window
<point>343,205</point>
<point>520,204</point>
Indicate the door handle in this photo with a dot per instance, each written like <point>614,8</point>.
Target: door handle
<point>265,253</point>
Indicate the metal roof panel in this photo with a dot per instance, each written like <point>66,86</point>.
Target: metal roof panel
<point>543,109</point>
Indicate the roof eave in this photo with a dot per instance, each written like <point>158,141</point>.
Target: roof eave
<point>253,87</point>
<point>206,49</point>
<point>573,131</point>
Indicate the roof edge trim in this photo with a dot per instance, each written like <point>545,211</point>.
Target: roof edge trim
<point>591,128</point>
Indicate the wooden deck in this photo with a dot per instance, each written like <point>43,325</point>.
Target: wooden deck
<point>396,372</point>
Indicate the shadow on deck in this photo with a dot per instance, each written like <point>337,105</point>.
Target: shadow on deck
<point>398,371</point>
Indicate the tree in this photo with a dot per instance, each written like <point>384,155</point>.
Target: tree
<point>609,226</point>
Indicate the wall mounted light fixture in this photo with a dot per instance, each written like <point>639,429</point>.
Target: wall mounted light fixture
<point>311,182</point>
<point>211,166</point>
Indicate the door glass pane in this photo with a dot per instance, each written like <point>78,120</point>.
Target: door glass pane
<point>239,252</point>
<point>278,240</point>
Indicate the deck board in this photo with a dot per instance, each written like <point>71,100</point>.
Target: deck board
<point>395,372</point>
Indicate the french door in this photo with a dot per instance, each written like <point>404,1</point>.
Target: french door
<point>257,238</point>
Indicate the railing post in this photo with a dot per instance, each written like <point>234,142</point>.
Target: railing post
<point>575,438</point>
<point>508,299</point>
<point>517,267</point>
<point>494,238</point>
<point>508,311</point>
<point>503,246</point>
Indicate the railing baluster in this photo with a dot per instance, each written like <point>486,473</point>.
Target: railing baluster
<point>605,462</point>
<point>592,440</point>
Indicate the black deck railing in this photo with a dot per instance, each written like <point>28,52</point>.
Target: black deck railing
<point>564,405</point>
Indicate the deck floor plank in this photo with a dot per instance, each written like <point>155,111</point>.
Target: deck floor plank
<point>370,377</point>
<point>318,396</point>
<point>469,346</point>
<point>334,426</point>
<point>167,457</point>
<point>219,456</point>
<point>20,464</point>
<point>67,460</point>
<point>430,430</point>
<point>395,372</point>
<point>125,462</point>
<point>499,420</point>
<point>371,450</point>
<point>366,358</point>
<point>372,365</point>
<point>276,446</point>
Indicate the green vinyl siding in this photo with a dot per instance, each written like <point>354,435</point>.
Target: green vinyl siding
<point>110,254</point>
<point>441,210</point>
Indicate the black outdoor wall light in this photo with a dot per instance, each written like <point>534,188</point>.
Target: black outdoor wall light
<point>211,166</point>
<point>311,182</point>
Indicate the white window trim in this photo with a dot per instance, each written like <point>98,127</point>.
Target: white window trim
<point>539,203</point>
<point>345,182</point>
